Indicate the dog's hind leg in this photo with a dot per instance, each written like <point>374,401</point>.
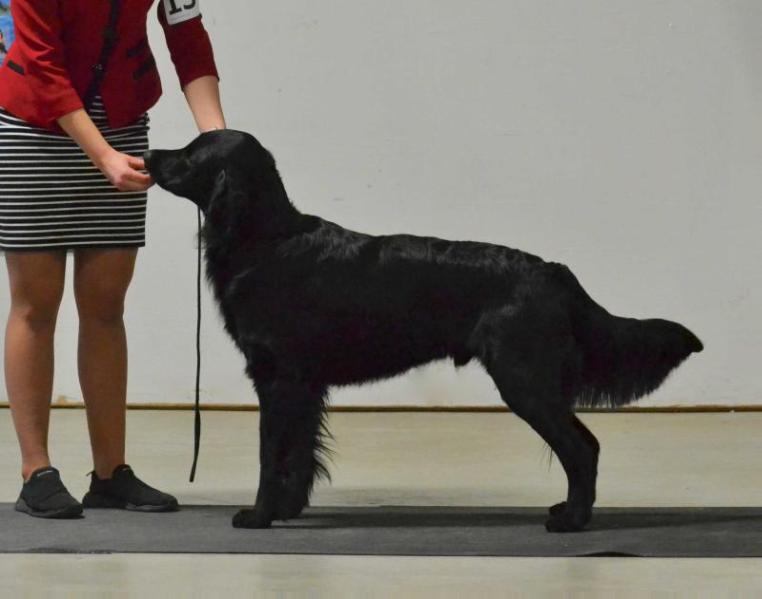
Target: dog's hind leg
<point>526,365</point>
<point>595,447</point>
<point>554,421</point>
<point>292,438</point>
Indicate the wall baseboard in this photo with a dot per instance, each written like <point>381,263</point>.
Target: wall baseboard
<point>423,409</point>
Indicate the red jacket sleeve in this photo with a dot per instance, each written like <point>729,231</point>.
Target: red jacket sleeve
<point>189,47</point>
<point>38,31</point>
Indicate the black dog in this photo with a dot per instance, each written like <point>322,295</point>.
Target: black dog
<point>312,305</point>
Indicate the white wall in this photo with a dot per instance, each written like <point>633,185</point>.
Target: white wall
<point>620,137</point>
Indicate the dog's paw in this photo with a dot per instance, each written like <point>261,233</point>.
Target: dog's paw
<point>561,524</point>
<point>290,512</point>
<point>292,507</point>
<point>562,519</point>
<point>251,519</point>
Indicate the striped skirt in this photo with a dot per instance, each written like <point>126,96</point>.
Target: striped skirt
<point>52,197</point>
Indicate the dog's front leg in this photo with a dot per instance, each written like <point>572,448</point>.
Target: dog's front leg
<point>291,439</point>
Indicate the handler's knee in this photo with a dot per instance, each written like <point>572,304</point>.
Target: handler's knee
<point>35,303</point>
<point>101,302</point>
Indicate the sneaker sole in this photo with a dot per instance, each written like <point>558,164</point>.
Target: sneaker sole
<point>70,511</point>
<point>104,502</point>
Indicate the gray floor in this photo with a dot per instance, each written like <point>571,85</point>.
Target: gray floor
<point>411,459</point>
<point>395,531</point>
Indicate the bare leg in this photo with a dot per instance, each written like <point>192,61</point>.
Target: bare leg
<point>36,285</point>
<point>101,279</point>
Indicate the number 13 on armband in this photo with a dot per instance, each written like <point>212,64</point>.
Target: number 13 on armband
<point>181,10</point>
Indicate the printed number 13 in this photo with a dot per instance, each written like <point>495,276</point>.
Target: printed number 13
<point>176,9</point>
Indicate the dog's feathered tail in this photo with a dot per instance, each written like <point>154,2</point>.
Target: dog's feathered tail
<point>618,360</point>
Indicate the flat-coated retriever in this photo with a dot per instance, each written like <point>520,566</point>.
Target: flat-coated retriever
<point>312,305</point>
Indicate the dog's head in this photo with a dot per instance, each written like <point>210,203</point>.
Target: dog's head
<point>216,167</point>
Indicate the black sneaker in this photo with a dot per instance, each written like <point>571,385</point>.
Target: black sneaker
<point>45,496</point>
<point>126,491</point>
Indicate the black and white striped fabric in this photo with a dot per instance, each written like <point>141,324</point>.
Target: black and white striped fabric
<point>52,197</point>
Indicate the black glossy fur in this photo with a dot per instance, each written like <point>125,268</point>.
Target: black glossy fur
<point>312,305</point>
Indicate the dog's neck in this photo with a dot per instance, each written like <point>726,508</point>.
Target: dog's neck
<point>256,225</point>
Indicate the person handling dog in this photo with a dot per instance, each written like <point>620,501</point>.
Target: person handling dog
<point>74,91</point>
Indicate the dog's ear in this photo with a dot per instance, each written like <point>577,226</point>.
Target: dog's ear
<point>223,210</point>
<point>219,189</point>
<point>220,185</point>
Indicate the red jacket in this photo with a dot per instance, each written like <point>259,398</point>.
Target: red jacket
<point>58,50</point>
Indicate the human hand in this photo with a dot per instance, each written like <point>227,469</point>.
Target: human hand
<point>123,171</point>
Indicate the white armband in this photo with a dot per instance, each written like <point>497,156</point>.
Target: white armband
<point>178,11</point>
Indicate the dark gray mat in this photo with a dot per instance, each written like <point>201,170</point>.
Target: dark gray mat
<point>667,532</point>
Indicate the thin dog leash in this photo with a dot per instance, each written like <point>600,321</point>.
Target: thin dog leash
<point>197,415</point>
<point>197,421</point>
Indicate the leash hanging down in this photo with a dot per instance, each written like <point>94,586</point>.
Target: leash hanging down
<point>197,417</point>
